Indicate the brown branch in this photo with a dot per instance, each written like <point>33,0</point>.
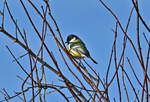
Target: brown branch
<point>57,28</point>
<point>115,60</point>
<point>137,10</point>
<point>11,97</point>
<point>125,34</point>
<point>131,84</point>
<point>145,84</point>
<point>58,43</point>
<point>23,46</point>
<point>124,46</point>
<point>66,81</point>
<point>83,97</point>
<point>140,84</point>
<point>124,85</point>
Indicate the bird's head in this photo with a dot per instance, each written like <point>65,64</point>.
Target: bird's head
<point>72,38</point>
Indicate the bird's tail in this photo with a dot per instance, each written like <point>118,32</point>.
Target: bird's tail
<point>93,60</point>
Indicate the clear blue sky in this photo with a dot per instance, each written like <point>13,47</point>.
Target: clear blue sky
<point>86,18</point>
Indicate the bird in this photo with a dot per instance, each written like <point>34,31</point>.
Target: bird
<point>77,48</point>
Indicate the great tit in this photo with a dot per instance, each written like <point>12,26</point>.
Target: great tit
<point>77,48</point>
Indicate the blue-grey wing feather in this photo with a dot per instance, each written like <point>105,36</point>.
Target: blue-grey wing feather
<point>81,48</point>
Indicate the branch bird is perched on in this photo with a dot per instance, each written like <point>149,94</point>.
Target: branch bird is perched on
<point>77,48</point>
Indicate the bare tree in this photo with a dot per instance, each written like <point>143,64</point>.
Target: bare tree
<point>96,89</point>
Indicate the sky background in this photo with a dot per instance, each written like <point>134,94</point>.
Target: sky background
<point>89,20</point>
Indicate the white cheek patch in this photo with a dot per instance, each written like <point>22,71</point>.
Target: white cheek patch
<point>73,39</point>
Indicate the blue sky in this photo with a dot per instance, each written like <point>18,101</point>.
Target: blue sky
<point>89,20</point>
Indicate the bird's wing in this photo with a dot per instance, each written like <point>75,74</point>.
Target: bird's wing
<point>81,48</point>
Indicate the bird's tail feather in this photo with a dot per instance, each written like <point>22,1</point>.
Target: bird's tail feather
<point>93,60</point>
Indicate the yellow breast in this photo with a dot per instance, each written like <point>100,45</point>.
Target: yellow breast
<point>75,53</point>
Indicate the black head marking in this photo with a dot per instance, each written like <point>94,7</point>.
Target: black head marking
<point>71,36</point>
